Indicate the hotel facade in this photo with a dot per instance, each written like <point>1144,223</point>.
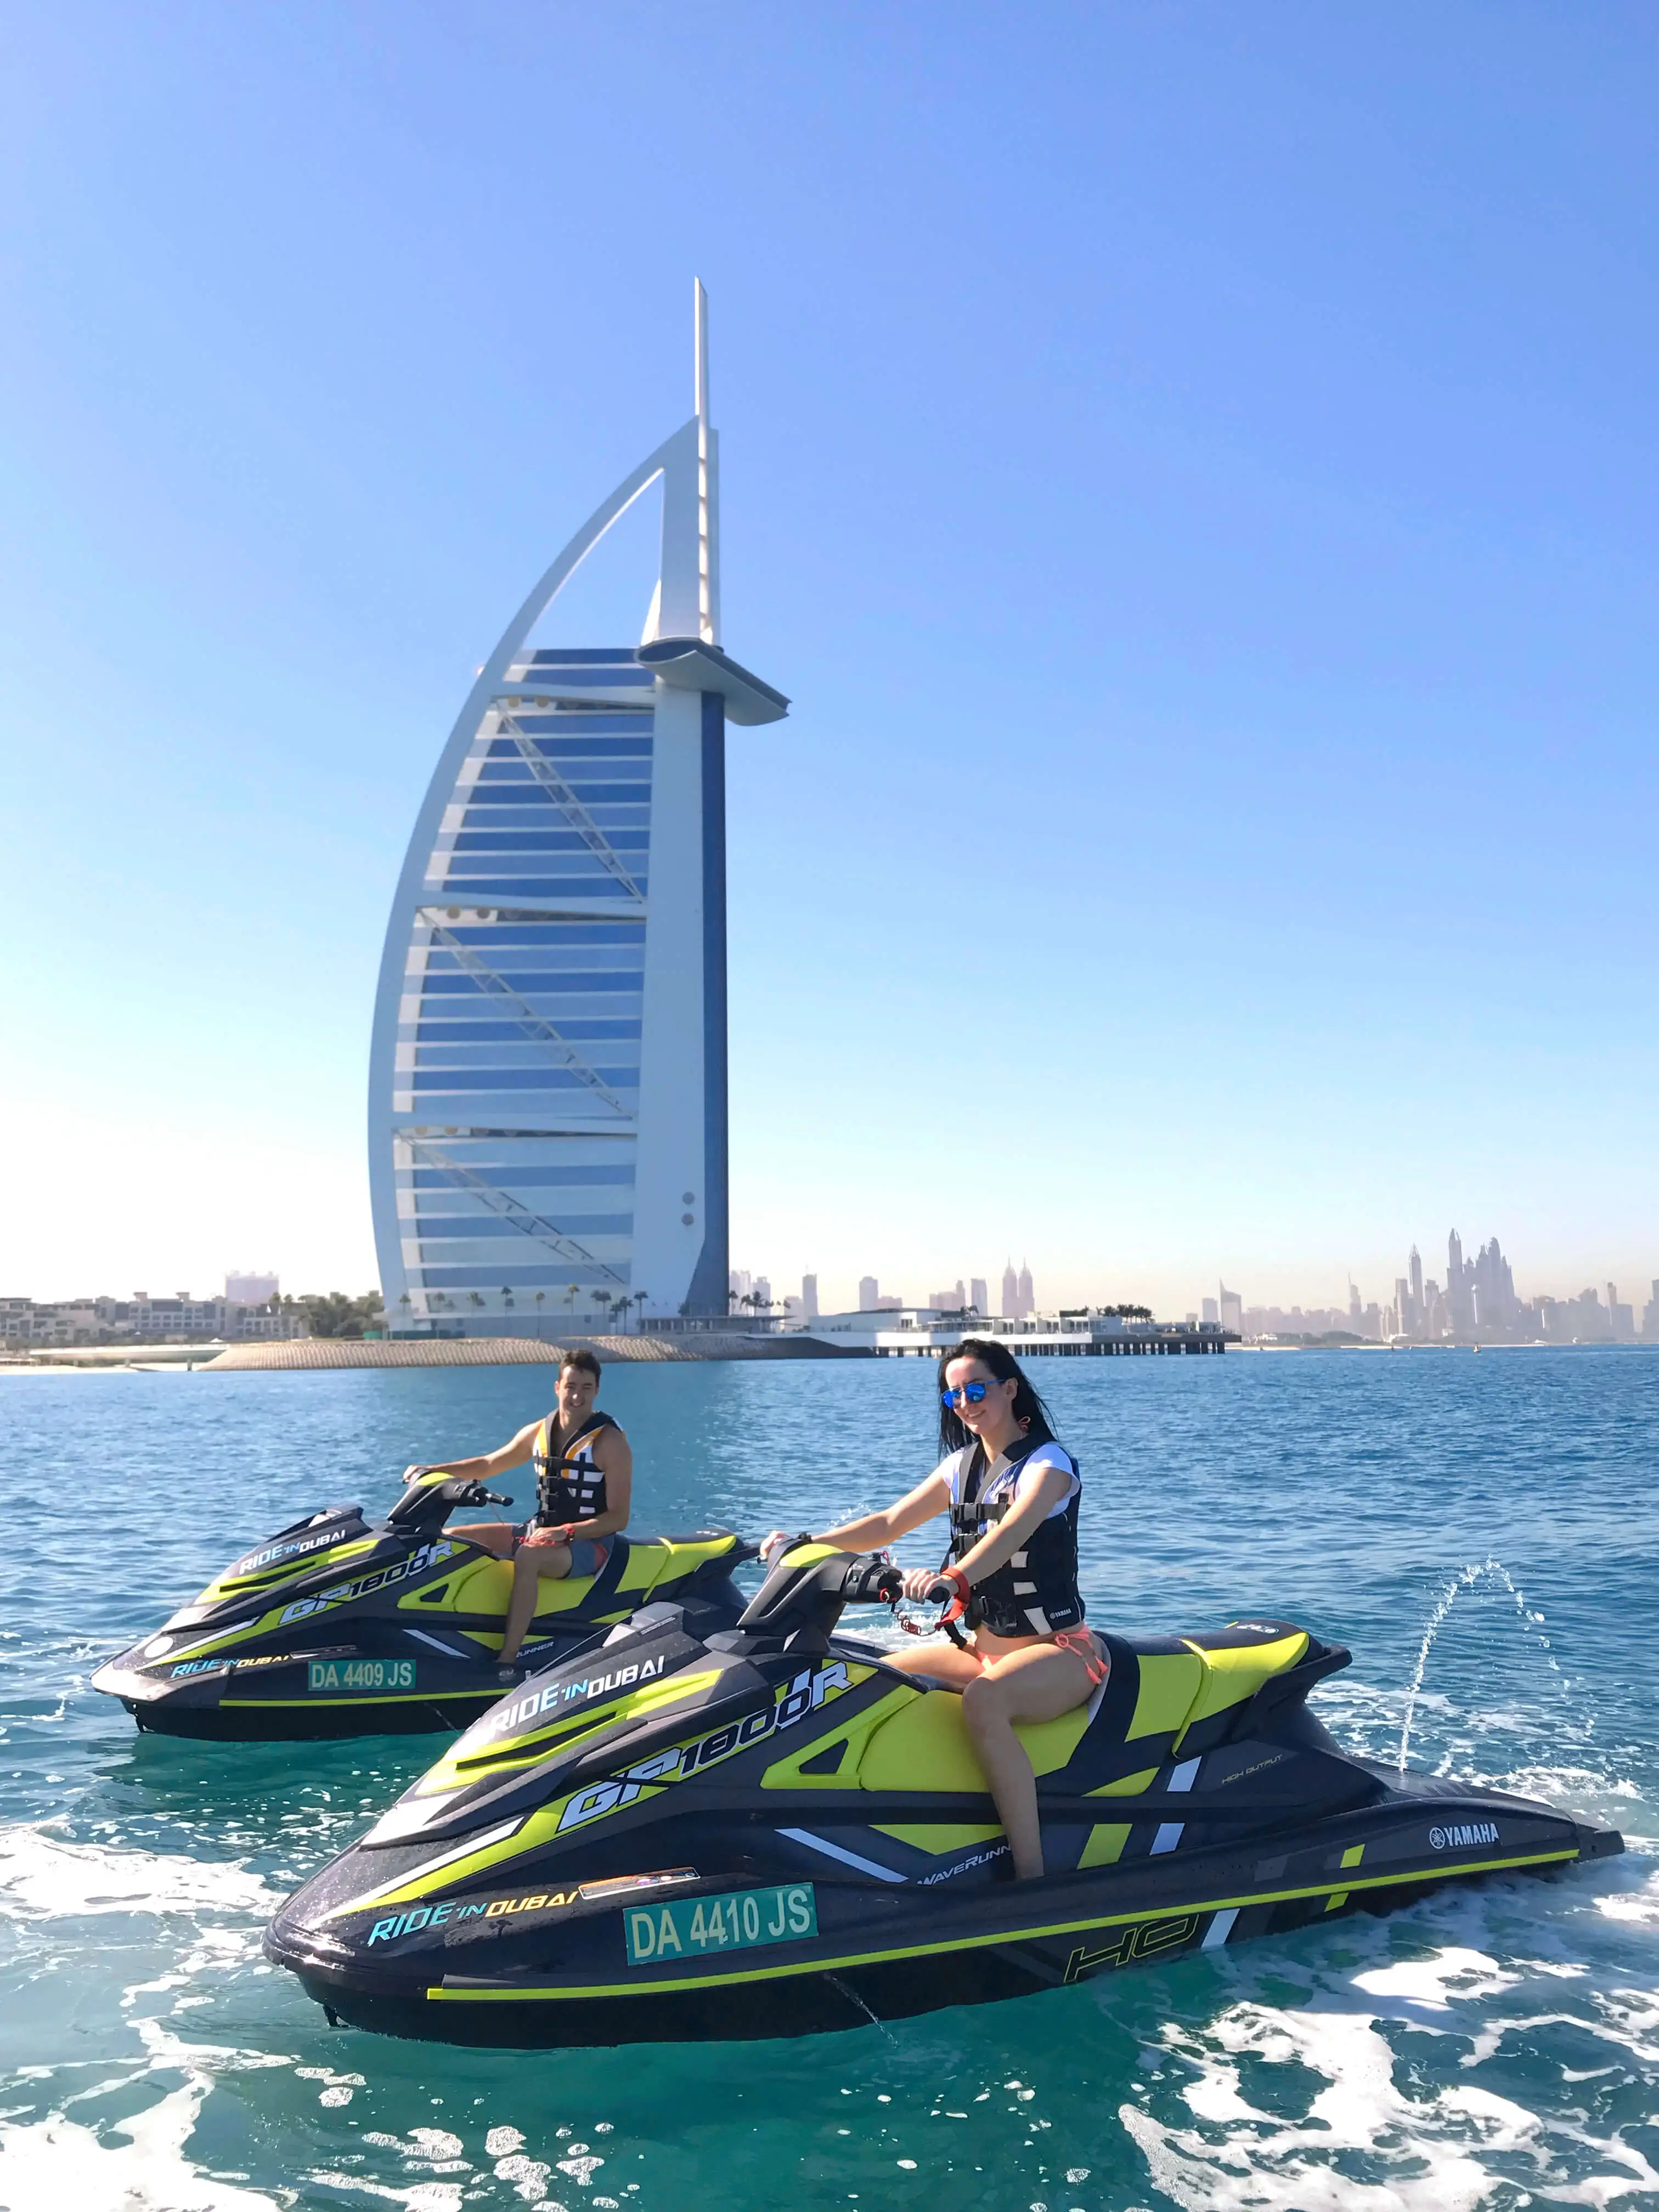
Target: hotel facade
<point>548,1143</point>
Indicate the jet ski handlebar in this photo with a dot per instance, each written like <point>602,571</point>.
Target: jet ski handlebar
<point>427,1503</point>
<point>809,1582</point>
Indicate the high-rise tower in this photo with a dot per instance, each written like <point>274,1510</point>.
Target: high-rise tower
<point>548,1074</point>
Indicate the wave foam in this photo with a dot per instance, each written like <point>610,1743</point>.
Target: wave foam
<point>42,1876</point>
<point>56,2162</point>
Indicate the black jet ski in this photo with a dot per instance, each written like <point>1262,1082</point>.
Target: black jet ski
<point>769,1830</point>
<point>336,1625</point>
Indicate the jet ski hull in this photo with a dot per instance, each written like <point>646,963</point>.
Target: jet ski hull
<point>338,1627</point>
<point>771,1830</point>
<point>561,1968</point>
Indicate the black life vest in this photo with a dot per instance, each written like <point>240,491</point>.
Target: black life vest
<point>569,1483</point>
<point>1034,1593</point>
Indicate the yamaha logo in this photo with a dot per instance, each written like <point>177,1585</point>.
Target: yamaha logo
<point>1461,1838</point>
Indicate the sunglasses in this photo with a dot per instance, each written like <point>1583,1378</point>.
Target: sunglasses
<point>972,1392</point>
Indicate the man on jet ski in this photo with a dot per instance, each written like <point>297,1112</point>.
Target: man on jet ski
<point>1012,1491</point>
<point>584,1490</point>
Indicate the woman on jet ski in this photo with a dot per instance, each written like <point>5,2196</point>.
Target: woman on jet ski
<point>1012,1492</point>
<point>584,1490</point>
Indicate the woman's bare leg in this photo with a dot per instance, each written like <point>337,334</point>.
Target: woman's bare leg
<point>944,1662</point>
<point>1037,1684</point>
<point>532,1564</point>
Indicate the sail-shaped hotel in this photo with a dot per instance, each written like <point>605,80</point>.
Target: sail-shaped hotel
<point>548,1074</point>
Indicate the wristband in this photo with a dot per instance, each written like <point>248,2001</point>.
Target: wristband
<point>959,1582</point>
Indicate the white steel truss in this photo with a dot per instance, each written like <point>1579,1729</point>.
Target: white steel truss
<point>535,1027</point>
<point>573,810</point>
<point>499,1202</point>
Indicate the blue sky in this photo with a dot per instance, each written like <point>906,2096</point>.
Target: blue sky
<point>1192,467</point>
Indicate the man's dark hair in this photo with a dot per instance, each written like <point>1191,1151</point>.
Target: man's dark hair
<point>582,1357</point>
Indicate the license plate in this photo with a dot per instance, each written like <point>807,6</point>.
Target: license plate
<point>695,1926</point>
<point>360,1675</point>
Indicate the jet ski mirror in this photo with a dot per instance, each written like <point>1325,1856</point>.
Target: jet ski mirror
<point>425,1505</point>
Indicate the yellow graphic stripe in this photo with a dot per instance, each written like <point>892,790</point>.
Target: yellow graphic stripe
<point>259,1578</point>
<point>644,1988</point>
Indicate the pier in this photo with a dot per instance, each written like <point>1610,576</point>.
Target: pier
<point>1096,1337</point>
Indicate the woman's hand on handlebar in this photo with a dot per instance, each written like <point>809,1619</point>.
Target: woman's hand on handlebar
<point>921,1584</point>
<point>770,1544</point>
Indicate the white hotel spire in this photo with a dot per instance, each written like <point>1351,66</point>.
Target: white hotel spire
<point>548,1080</point>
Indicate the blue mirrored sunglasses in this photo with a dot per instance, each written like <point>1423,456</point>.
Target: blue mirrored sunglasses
<point>972,1392</point>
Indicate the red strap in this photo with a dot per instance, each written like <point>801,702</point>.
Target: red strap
<point>959,1582</point>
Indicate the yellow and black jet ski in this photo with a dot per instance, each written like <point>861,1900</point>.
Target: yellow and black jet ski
<point>767,1831</point>
<point>336,1625</point>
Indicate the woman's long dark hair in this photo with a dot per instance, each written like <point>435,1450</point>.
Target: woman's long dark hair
<point>1028,1409</point>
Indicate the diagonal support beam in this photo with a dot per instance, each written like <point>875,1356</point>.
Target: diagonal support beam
<point>573,810</point>
<point>508,1208</point>
<point>538,1030</point>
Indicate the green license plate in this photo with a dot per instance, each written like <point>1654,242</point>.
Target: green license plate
<point>360,1675</point>
<point>695,1927</point>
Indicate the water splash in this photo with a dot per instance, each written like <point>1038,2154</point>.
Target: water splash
<point>1465,1578</point>
<point>852,1997</point>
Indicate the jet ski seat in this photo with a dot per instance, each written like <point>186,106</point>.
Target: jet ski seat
<point>631,1571</point>
<point>1178,1694</point>
<point>486,1586</point>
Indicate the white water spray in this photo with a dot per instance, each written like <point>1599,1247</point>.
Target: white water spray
<point>1464,1579</point>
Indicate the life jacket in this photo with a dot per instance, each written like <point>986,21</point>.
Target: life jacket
<point>569,1484</point>
<point>1034,1593</point>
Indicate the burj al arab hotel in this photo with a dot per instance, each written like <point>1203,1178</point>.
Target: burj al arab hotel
<point>547,1075</point>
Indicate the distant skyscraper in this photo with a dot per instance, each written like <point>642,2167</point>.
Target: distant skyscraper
<point>1010,1292</point>
<point>1027,1295</point>
<point>1414,1272</point>
<point>1212,1311</point>
<point>1231,1304</point>
<point>979,1297</point>
<point>809,1297</point>
<point>1460,1285</point>
<point>1356,1312</point>
<point>869,1294</point>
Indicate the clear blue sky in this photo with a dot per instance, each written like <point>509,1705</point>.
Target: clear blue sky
<point>1193,467</point>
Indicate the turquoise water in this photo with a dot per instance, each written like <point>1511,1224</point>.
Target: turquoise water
<point>1494,2047</point>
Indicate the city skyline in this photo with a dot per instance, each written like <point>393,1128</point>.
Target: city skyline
<point>1479,1299</point>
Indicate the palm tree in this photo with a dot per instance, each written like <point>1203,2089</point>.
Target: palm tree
<point>540,1298</point>
<point>601,1300</point>
<point>570,1299</point>
<point>476,1297</point>
<point>507,1294</point>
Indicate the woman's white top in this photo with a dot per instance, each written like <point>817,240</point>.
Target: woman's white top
<point>1003,1476</point>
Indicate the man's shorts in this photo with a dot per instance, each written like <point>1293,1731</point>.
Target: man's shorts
<point>587,1553</point>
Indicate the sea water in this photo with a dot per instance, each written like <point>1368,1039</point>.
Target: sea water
<point>1481,1531</point>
